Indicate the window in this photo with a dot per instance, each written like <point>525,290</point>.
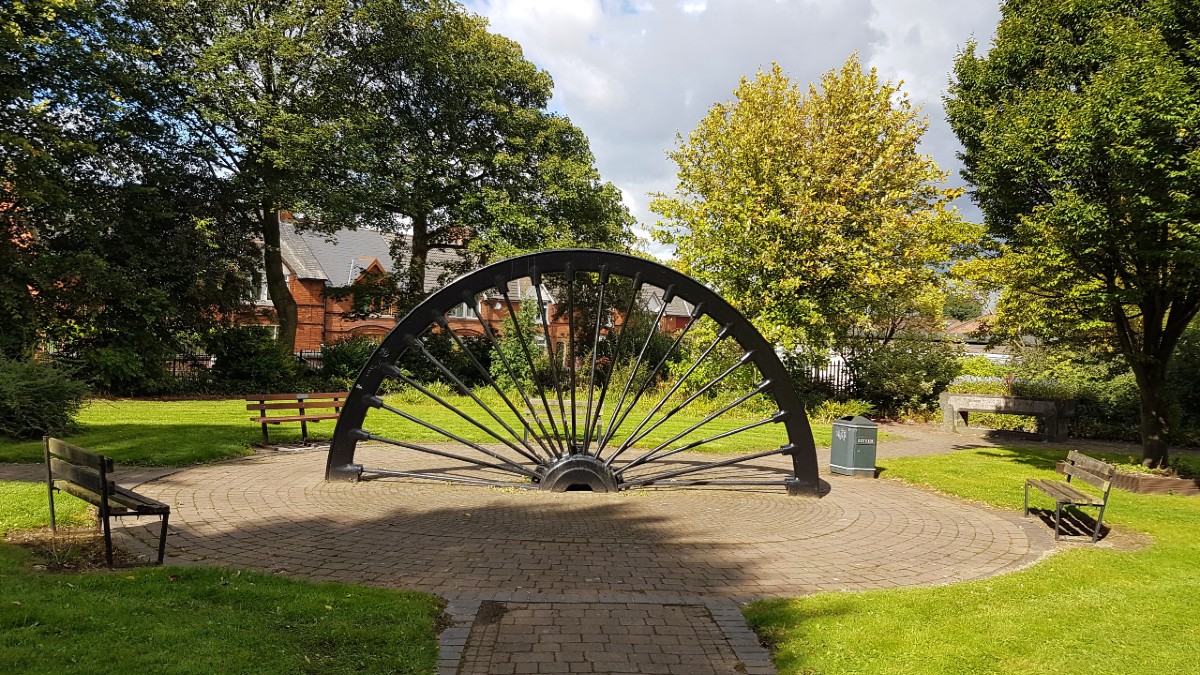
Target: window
<point>261,295</point>
<point>460,311</point>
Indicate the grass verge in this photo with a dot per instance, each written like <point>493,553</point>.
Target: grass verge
<point>1086,610</point>
<point>178,433</point>
<point>196,620</point>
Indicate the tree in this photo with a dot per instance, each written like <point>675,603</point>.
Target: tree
<point>462,153</point>
<point>963,302</point>
<point>1081,135</point>
<point>264,94</point>
<point>814,213</point>
<point>112,246</point>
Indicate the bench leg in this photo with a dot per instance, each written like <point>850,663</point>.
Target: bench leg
<point>1099,519</point>
<point>50,483</point>
<point>1027,500</point>
<point>1058,509</point>
<point>108,549</point>
<point>162,538</point>
<point>303,431</point>
<point>266,438</point>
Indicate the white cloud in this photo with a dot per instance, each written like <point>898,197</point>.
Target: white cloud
<point>633,73</point>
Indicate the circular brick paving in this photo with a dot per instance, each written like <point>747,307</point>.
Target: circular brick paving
<point>275,512</point>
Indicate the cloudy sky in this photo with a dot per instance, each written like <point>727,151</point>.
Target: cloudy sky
<point>633,73</point>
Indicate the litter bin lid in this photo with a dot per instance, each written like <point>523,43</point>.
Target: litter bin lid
<point>855,422</point>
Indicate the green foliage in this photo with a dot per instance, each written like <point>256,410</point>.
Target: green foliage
<point>249,356</point>
<point>814,213</point>
<point>905,375</point>
<point>962,305</point>
<point>456,359</point>
<point>980,366</point>
<point>346,357</point>
<point>37,399</point>
<point>832,409</point>
<point>1081,129</point>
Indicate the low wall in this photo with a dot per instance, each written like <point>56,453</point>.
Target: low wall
<point>1054,412</point>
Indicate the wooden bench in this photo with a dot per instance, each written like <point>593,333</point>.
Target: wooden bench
<point>265,404</point>
<point>84,474</point>
<point>1087,469</point>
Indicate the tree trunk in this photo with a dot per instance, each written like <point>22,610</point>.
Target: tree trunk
<point>277,286</point>
<point>1155,403</point>
<point>418,257</point>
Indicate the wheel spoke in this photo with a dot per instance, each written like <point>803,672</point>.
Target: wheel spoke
<point>544,319</point>
<point>491,336</point>
<point>487,377</point>
<point>525,450</point>
<point>505,466</point>
<point>696,314</point>
<point>638,434</point>
<point>654,453</point>
<point>616,351</point>
<point>529,359</point>
<point>636,366</point>
<point>587,422</point>
<point>712,465</point>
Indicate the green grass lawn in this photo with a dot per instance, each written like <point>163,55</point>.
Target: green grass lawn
<point>195,620</point>
<point>177,433</point>
<point>1086,610</point>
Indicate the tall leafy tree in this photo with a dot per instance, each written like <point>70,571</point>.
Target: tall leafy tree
<point>111,245</point>
<point>263,93</point>
<point>462,153</point>
<point>813,211</point>
<point>1081,136</point>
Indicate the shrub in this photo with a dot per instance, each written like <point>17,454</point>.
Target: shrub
<point>980,366</point>
<point>37,399</point>
<point>125,371</point>
<point>250,356</point>
<point>343,359</point>
<point>832,409</point>
<point>904,375</point>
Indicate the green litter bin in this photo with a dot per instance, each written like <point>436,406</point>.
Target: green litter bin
<point>852,450</point>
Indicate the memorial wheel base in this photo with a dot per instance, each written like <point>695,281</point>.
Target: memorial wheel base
<point>577,370</point>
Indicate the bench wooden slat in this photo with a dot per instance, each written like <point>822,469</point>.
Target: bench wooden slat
<point>293,418</point>
<point>80,475</point>
<point>93,498</point>
<point>138,503</point>
<point>294,397</point>
<point>1064,493</point>
<point>77,455</point>
<point>296,405</point>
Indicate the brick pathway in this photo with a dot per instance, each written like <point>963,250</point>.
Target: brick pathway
<point>643,581</point>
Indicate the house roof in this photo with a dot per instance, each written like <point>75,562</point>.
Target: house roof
<point>339,259</point>
<point>970,327</point>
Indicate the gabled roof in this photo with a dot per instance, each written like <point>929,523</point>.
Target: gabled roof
<point>339,259</point>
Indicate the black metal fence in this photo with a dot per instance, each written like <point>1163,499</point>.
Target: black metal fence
<point>189,366</point>
<point>311,358</point>
<point>836,376</point>
<point>192,367</point>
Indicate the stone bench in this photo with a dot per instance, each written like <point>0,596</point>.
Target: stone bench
<point>1053,412</point>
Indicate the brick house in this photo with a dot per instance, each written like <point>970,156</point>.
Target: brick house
<point>313,263</point>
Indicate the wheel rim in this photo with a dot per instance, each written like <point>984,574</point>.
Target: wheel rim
<point>590,426</point>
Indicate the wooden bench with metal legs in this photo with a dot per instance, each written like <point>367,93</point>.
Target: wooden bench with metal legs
<point>84,474</point>
<point>303,404</point>
<point>1087,469</point>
